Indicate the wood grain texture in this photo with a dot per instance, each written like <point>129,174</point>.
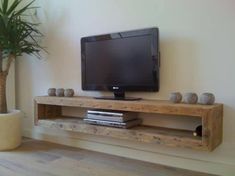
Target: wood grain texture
<point>39,158</point>
<point>213,127</point>
<point>157,135</point>
<point>47,109</point>
<point>147,106</point>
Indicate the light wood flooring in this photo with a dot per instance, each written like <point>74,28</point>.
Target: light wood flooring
<point>38,158</point>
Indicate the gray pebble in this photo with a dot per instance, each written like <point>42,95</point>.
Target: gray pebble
<point>60,92</point>
<point>69,92</point>
<point>51,92</point>
<point>207,99</point>
<point>190,98</point>
<point>175,97</point>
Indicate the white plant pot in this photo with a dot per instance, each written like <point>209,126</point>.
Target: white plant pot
<point>10,130</point>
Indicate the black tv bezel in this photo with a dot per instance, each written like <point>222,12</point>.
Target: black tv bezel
<point>154,32</point>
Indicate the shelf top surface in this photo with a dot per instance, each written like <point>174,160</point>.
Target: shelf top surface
<point>142,101</point>
<point>151,106</point>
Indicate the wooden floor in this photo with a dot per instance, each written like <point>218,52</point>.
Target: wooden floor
<point>37,158</point>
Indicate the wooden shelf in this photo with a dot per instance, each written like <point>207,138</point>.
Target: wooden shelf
<point>141,133</point>
<point>48,113</point>
<point>147,106</point>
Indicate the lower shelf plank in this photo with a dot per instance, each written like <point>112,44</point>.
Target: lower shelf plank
<point>157,135</point>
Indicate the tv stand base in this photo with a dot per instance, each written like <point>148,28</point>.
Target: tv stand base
<point>118,98</point>
<point>118,95</point>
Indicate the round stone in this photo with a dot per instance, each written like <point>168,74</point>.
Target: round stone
<point>175,97</point>
<point>51,92</point>
<point>69,92</point>
<point>190,98</point>
<point>60,92</point>
<point>207,99</point>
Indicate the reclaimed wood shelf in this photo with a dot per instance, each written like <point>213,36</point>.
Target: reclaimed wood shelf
<point>139,133</point>
<point>48,113</point>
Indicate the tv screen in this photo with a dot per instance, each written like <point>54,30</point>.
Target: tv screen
<point>124,61</point>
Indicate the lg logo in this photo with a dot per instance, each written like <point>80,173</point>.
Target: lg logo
<point>115,88</point>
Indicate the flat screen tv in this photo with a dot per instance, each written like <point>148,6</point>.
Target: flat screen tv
<point>122,61</point>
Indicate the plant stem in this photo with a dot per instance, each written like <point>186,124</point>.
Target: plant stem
<point>1,60</point>
<point>3,101</point>
<point>10,59</point>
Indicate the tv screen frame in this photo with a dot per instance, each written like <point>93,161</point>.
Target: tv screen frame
<point>155,56</point>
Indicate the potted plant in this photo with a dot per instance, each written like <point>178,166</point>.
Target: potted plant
<point>18,35</point>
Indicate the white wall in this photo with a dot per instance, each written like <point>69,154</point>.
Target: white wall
<point>197,41</point>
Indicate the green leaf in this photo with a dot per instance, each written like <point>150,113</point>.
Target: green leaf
<point>4,6</point>
<point>13,6</point>
<point>17,34</point>
<point>21,11</point>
